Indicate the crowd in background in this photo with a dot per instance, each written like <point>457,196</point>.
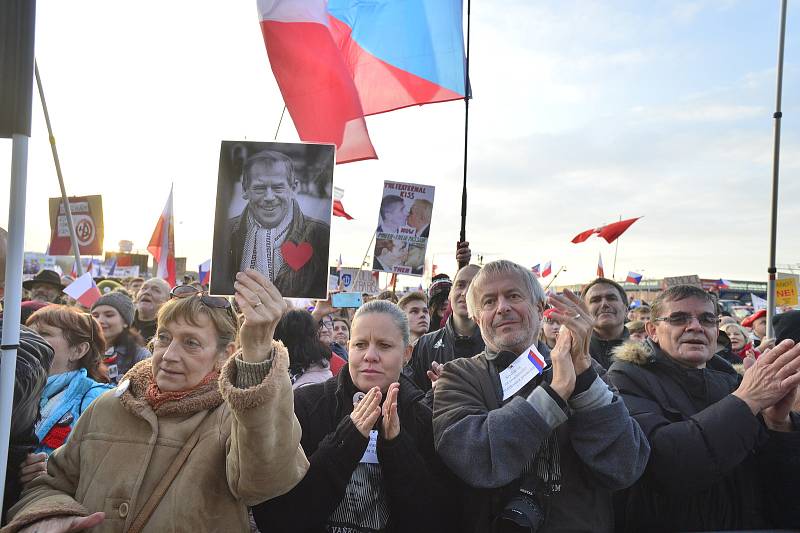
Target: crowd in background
<point>166,409</point>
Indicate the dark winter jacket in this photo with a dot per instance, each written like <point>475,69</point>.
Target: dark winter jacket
<point>714,465</point>
<point>601,349</point>
<point>34,357</point>
<point>442,345</point>
<point>409,467</point>
<point>489,444</point>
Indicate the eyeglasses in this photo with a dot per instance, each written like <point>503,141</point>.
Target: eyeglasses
<point>213,302</point>
<point>707,320</point>
<point>326,323</point>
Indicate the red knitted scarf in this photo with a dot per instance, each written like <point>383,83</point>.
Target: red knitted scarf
<point>156,398</point>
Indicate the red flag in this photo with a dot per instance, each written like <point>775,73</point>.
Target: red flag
<point>580,237</point>
<point>162,244</point>
<point>612,231</point>
<point>600,272</point>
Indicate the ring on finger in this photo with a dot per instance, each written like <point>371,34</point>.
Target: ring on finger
<point>256,305</point>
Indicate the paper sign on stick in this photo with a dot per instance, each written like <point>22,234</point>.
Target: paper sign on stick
<point>404,222</point>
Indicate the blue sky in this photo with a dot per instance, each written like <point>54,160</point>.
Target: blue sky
<point>583,112</point>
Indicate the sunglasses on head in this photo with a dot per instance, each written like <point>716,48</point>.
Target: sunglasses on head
<point>214,302</point>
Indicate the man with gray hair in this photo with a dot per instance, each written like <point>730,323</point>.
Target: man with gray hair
<point>539,448</point>
<point>271,222</point>
<point>153,294</point>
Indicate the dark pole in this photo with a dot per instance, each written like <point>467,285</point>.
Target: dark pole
<point>463,234</point>
<point>773,228</point>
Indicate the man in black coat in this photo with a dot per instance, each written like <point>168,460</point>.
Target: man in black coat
<point>725,449</point>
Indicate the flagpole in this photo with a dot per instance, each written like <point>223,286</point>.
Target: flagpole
<point>463,234</point>
<point>771,270</point>
<point>76,251</point>
<point>279,123</point>
<point>369,247</point>
<point>554,278</point>
<point>616,248</point>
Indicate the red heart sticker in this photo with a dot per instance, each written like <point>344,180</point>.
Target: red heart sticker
<point>296,255</point>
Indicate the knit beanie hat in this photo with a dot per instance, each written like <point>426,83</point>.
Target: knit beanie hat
<point>107,286</point>
<point>119,301</point>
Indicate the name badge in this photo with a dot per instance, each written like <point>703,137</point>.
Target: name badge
<point>527,366</point>
<point>371,453</point>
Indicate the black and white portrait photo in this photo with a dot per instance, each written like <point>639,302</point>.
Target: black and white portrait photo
<point>273,215</point>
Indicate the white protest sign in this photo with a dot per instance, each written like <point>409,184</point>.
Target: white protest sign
<point>404,222</point>
<point>525,367</point>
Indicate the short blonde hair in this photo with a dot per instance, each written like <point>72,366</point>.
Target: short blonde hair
<point>191,307</point>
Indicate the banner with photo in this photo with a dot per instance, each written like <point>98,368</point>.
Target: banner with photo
<point>404,222</point>
<point>273,215</point>
<point>87,215</point>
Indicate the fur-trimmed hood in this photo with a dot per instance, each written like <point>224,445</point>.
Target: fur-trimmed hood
<point>638,353</point>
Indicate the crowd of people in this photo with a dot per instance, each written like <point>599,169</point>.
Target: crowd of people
<point>482,404</point>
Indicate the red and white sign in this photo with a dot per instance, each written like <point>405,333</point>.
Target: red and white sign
<point>87,215</point>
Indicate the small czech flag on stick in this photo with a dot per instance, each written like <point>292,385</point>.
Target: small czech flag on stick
<point>634,277</point>
<point>84,290</point>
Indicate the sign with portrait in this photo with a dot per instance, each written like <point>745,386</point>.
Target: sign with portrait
<point>273,215</point>
<point>404,222</point>
<point>87,215</point>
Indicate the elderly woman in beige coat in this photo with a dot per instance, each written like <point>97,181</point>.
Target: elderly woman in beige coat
<point>189,438</point>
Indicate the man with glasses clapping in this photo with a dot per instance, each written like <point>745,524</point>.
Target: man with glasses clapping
<point>725,447</point>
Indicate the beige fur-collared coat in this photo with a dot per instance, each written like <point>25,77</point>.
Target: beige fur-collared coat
<point>248,452</point>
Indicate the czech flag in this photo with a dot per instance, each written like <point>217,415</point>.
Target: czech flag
<point>84,290</point>
<point>204,272</point>
<point>162,244</point>
<point>337,61</point>
<point>723,284</point>
<point>535,270</point>
<point>633,277</point>
<point>338,208</point>
<point>548,269</point>
<point>536,358</point>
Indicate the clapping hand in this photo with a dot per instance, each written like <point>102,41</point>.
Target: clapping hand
<point>770,383</point>
<point>391,420</point>
<point>573,315</point>
<point>367,411</point>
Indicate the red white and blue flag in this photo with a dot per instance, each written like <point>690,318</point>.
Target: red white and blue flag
<point>84,290</point>
<point>204,272</point>
<point>337,61</point>
<point>537,360</point>
<point>162,244</point>
<point>338,207</point>
<point>634,277</point>
<point>723,284</point>
<point>547,270</point>
<point>536,271</point>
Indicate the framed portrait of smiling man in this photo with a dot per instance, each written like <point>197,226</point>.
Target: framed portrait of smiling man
<point>273,215</point>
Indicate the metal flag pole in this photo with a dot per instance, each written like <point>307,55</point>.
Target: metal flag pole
<point>554,277</point>
<point>76,251</point>
<point>17,25</point>
<point>773,228</point>
<point>369,247</point>
<point>467,91</point>
<point>616,248</point>
<point>280,120</point>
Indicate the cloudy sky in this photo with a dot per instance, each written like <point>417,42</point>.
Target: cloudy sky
<point>583,111</point>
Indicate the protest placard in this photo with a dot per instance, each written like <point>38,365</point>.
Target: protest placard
<point>355,280</point>
<point>786,292</point>
<point>34,262</point>
<point>87,215</point>
<point>693,280</point>
<point>404,221</point>
<point>273,214</point>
